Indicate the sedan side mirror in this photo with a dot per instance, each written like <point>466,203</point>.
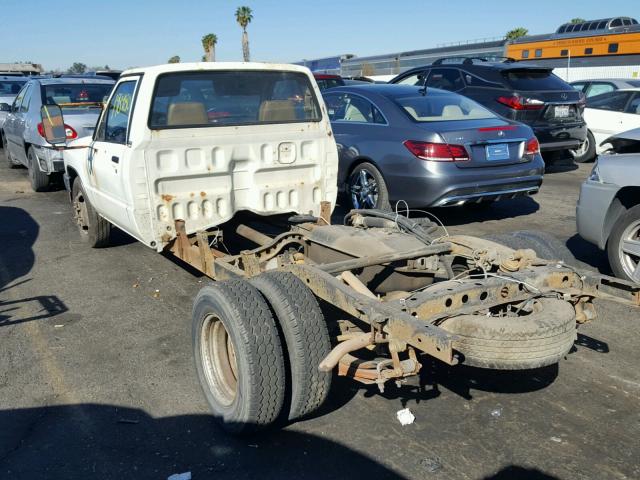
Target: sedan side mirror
<point>53,124</point>
<point>5,107</point>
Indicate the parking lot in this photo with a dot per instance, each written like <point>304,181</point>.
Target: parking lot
<point>97,381</point>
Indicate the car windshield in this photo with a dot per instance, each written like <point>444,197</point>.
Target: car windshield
<point>534,80</point>
<point>440,108</point>
<point>10,87</point>
<point>76,95</point>
<point>243,97</point>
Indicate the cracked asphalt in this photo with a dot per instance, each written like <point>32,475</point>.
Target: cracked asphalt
<point>97,380</point>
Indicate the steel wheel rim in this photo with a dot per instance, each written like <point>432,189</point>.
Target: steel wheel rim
<point>364,190</point>
<point>81,213</point>
<point>629,251</point>
<point>218,359</point>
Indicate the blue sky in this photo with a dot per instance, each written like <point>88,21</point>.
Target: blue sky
<point>124,33</point>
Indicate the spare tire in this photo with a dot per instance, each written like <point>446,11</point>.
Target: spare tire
<point>546,245</point>
<point>535,340</point>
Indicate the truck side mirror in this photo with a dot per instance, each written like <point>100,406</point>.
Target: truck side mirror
<point>5,107</point>
<point>53,124</point>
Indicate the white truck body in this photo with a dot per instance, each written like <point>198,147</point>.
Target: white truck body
<point>201,175</point>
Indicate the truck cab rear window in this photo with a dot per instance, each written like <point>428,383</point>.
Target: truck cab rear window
<point>222,98</point>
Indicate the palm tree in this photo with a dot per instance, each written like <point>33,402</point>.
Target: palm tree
<point>209,44</point>
<point>516,33</point>
<point>244,17</point>
<point>174,59</point>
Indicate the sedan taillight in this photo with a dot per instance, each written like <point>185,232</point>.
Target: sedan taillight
<point>69,131</point>
<point>533,146</point>
<point>437,152</point>
<point>516,102</point>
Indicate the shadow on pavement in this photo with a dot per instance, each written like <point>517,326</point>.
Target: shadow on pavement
<point>589,253</point>
<point>18,233</point>
<point>107,441</point>
<point>514,472</point>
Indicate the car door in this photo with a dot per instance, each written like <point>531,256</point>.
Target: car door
<point>110,153</point>
<point>604,114</point>
<point>9,126</point>
<point>356,123</point>
<point>20,125</point>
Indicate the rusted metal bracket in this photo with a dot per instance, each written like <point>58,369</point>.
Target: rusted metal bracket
<point>398,324</point>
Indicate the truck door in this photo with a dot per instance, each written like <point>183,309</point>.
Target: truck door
<point>110,154</point>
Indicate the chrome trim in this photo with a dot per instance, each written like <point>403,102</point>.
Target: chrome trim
<point>456,199</point>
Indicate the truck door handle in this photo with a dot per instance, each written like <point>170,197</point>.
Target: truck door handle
<point>115,159</point>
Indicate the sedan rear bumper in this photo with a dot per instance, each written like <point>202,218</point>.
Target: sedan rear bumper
<point>49,160</point>
<point>440,184</point>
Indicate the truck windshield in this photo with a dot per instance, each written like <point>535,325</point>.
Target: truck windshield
<point>241,97</point>
<point>10,88</point>
<point>77,95</point>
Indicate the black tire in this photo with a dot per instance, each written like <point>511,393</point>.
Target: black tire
<point>7,155</point>
<point>378,185</point>
<point>516,343</point>
<point>306,339</point>
<point>39,181</point>
<point>587,152</point>
<point>545,245</point>
<point>623,263</point>
<point>94,230</point>
<point>250,396</point>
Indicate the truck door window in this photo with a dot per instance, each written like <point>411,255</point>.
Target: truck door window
<point>116,118</point>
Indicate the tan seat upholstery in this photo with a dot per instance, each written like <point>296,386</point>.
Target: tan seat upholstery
<point>276,111</point>
<point>187,113</point>
<point>452,111</point>
<point>412,111</point>
<point>353,114</point>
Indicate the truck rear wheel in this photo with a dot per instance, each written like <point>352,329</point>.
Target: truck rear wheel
<point>238,356</point>
<point>523,342</point>
<point>94,229</point>
<point>306,339</point>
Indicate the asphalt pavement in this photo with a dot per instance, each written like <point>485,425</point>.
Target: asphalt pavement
<point>97,378</point>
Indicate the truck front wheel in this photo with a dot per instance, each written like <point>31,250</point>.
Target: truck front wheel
<point>94,229</point>
<point>238,356</point>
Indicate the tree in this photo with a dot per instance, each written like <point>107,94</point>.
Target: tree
<point>244,17</point>
<point>577,20</point>
<point>209,44</point>
<point>516,33</point>
<point>174,59</point>
<point>77,68</point>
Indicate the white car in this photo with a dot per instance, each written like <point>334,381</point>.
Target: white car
<point>606,115</point>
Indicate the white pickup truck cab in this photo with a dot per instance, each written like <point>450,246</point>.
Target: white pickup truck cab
<point>198,142</point>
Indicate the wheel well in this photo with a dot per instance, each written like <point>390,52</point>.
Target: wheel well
<point>626,198</point>
<point>359,161</point>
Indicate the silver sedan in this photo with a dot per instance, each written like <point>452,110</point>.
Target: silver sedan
<point>608,211</point>
<point>23,135</point>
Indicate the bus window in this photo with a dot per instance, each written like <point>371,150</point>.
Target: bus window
<point>525,53</point>
<point>538,52</point>
<point>626,21</point>
<point>616,22</point>
<point>593,25</point>
<point>613,48</point>
<point>588,51</point>
<point>564,53</point>
<point>602,25</point>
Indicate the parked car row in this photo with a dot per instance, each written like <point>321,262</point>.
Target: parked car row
<point>23,137</point>
<point>405,141</point>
